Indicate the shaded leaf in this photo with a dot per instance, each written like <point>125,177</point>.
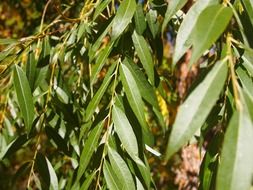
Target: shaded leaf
<point>87,182</point>
<point>134,98</point>
<point>24,96</point>
<point>31,69</point>
<point>112,180</point>
<point>144,54</point>
<point>89,148</point>
<point>236,163</point>
<point>46,172</point>
<point>99,94</point>
<point>15,145</point>
<point>100,62</point>
<point>193,112</point>
<point>248,4</point>
<point>121,169</point>
<point>45,53</point>
<point>210,24</point>
<point>99,9</point>
<point>123,17</point>
<point>146,90</point>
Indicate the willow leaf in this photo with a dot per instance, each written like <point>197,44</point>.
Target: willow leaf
<point>144,54</point>
<point>123,17</point>
<point>187,27</point>
<point>236,164</point>
<point>24,96</point>
<point>210,25</point>
<point>121,169</point>
<point>172,8</point>
<point>88,149</point>
<point>193,112</point>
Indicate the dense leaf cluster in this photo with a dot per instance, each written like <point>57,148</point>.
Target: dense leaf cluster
<point>86,94</point>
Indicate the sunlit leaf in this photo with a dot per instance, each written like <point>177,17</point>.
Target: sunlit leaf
<point>172,8</point>
<point>139,20</point>
<point>193,112</point>
<point>123,17</point>
<point>186,29</point>
<point>125,132</point>
<point>236,164</point>
<point>210,24</point>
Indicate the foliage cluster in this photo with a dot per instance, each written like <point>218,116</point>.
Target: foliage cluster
<point>88,96</point>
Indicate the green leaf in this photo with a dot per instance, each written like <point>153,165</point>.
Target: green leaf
<point>99,94</point>
<point>100,62</point>
<point>248,5</point>
<point>121,169</point>
<point>31,69</point>
<point>236,163</point>
<point>193,112</point>
<point>24,96</point>
<point>146,90</point>
<point>45,53</point>
<point>87,182</point>
<point>247,61</point>
<point>134,97</point>
<point>15,145</point>
<point>139,20</point>
<point>153,24</point>
<point>99,9</point>
<point>88,149</point>
<point>125,132</point>
<point>112,180</point>
<point>122,18</point>
<point>143,52</point>
<point>46,172</point>
<point>245,79</point>
<point>210,25</point>
<point>7,41</point>
<point>172,8</point>
<point>185,31</point>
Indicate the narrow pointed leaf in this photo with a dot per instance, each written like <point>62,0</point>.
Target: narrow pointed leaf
<point>31,69</point>
<point>87,182</point>
<point>186,29</point>
<point>46,172</point>
<point>172,8</point>
<point>193,112</point>
<point>139,20</point>
<point>24,96</point>
<point>99,94</point>
<point>121,169</point>
<point>100,62</point>
<point>210,24</point>
<point>88,149</point>
<point>143,52</point>
<point>146,90</point>
<point>236,163</point>
<point>134,97</point>
<point>112,180</point>
<point>248,4</point>
<point>123,17</point>
<point>99,9</point>
<point>125,132</point>
<point>153,24</point>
